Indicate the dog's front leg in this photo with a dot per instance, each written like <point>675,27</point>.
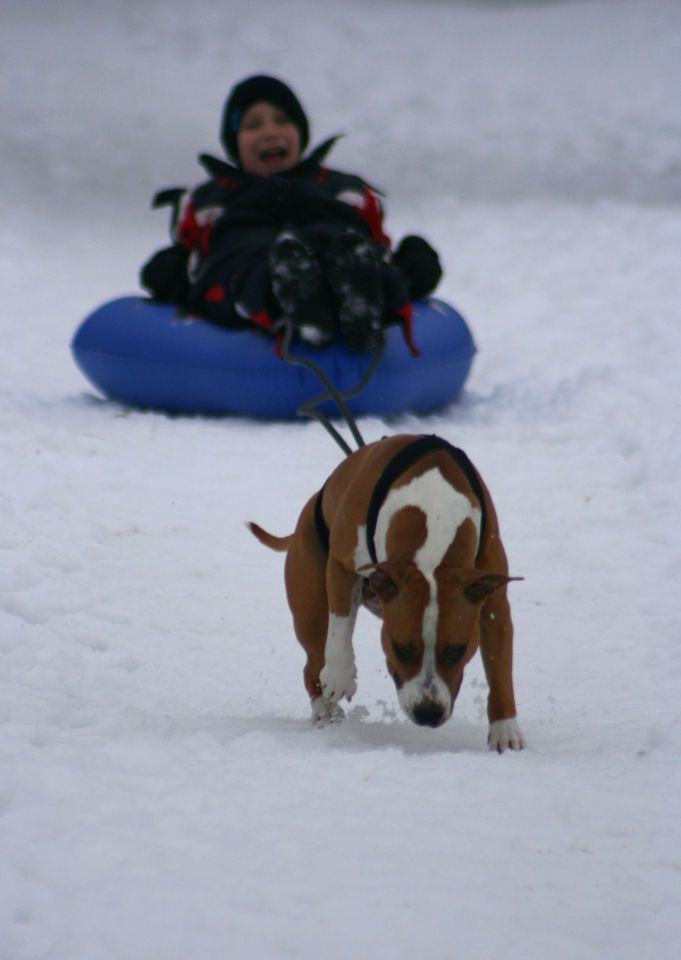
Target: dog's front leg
<point>496,647</point>
<point>338,675</point>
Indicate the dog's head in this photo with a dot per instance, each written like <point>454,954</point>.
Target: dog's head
<point>431,629</point>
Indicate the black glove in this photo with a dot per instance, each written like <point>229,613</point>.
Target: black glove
<point>396,294</point>
<point>165,275</point>
<point>419,264</point>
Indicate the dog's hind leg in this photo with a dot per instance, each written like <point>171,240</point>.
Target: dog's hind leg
<point>305,577</point>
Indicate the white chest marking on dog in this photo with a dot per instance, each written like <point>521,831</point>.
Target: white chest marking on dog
<point>445,509</point>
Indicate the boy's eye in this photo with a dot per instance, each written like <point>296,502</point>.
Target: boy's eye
<point>453,653</point>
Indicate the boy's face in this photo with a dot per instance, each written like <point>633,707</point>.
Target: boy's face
<point>268,141</point>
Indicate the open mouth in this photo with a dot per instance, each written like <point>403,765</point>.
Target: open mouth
<point>273,154</point>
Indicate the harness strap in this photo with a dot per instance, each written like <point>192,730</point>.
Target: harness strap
<point>404,459</point>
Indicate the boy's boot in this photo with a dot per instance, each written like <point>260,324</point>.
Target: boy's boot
<point>300,290</point>
<point>353,269</point>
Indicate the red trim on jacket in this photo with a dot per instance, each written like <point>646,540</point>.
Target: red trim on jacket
<point>373,214</point>
<point>262,319</point>
<point>193,234</point>
<point>215,294</point>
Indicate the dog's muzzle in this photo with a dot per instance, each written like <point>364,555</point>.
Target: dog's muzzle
<point>429,713</point>
<point>428,704</point>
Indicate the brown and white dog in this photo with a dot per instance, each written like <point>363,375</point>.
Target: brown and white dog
<point>406,527</point>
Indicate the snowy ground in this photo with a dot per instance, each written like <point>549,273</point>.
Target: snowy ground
<point>162,794</point>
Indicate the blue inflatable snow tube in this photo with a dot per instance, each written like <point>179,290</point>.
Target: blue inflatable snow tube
<point>149,355</point>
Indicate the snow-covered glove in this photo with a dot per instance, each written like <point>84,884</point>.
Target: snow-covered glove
<point>165,275</point>
<point>419,264</point>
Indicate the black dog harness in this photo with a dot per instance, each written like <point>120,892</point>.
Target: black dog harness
<point>393,469</point>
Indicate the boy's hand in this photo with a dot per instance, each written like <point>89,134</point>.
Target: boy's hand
<point>420,265</point>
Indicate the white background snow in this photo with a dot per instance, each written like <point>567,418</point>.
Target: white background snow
<point>162,793</point>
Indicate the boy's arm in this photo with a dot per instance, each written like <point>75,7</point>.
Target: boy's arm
<point>165,275</point>
<point>195,225</point>
<point>367,203</point>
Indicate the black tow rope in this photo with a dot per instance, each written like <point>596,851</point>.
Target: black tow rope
<point>307,409</point>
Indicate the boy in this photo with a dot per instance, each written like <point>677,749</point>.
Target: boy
<point>280,236</point>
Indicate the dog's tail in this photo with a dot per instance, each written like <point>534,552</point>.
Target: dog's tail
<point>274,543</point>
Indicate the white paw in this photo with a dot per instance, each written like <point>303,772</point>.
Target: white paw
<point>325,712</point>
<point>338,678</point>
<point>505,734</point>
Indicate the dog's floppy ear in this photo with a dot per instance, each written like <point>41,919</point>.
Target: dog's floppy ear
<point>380,583</point>
<point>483,585</point>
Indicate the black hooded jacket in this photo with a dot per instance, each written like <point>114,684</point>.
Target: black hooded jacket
<point>217,265</point>
<point>225,226</point>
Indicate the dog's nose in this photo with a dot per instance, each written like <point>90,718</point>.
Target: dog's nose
<point>428,714</point>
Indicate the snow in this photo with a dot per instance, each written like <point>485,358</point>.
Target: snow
<point>162,791</point>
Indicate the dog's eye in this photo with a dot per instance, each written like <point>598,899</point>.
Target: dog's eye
<point>453,653</point>
<point>406,653</point>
